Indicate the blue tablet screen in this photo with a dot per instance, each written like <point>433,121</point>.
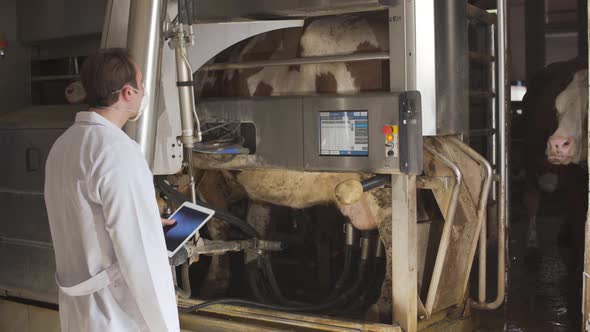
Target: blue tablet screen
<point>187,220</point>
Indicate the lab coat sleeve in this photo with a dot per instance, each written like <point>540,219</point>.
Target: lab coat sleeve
<point>125,189</point>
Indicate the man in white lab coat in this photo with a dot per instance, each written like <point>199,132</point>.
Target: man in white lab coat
<point>112,265</point>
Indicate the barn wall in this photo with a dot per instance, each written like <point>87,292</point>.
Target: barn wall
<point>14,68</point>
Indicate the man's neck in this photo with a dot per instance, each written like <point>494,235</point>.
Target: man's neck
<point>116,117</point>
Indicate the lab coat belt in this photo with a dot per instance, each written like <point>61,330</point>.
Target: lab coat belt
<point>94,284</point>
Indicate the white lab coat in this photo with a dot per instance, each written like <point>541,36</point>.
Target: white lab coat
<point>111,259</point>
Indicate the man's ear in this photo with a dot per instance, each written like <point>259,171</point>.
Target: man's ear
<point>126,93</point>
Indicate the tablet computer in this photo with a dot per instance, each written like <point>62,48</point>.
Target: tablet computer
<point>189,219</point>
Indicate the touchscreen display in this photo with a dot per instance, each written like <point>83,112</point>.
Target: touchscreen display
<point>344,133</point>
<point>187,221</point>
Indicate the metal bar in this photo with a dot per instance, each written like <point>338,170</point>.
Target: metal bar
<point>476,13</point>
<point>482,132</point>
<point>481,212</point>
<point>185,291</point>
<point>481,58</point>
<point>143,42</point>
<point>503,215</point>
<point>479,94</point>
<point>26,243</point>
<point>493,141</point>
<point>450,219</point>
<point>298,61</point>
<point>269,317</point>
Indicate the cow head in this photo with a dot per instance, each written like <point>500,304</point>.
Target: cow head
<point>569,142</point>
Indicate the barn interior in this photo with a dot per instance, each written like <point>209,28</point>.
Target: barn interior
<point>446,244</point>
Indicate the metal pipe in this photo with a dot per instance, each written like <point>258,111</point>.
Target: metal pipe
<point>503,216</point>
<point>481,94</point>
<point>186,94</point>
<point>185,291</point>
<point>494,139</point>
<point>299,61</point>
<point>482,132</point>
<point>365,247</point>
<point>189,154</point>
<point>481,212</point>
<point>481,58</point>
<point>349,230</point>
<point>143,42</point>
<point>481,15</point>
<point>450,218</point>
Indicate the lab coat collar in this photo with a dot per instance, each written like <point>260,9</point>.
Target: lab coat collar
<point>93,117</point>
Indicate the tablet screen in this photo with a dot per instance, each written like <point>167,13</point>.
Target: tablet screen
<point>187,221</point>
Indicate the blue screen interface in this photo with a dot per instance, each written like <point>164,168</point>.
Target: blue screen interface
<point>187,220</point>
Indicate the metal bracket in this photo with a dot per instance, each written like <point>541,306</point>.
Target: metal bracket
<point>434,182</point>
<point>218,247</point>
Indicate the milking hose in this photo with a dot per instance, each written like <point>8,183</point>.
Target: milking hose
<point>342,299</point>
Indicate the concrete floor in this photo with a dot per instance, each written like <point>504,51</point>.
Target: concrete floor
<point>544,290</point>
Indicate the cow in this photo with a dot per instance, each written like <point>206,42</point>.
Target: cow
<point>346,34</point>
<point>555,112</point>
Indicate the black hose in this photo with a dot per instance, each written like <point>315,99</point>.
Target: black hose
<point>270,276</point>
<point>221,214</point>
<point>375,182</point>
<point>365,293</point>
<point>252,275</point>
<point>346,297</point>
<point>345,272</point>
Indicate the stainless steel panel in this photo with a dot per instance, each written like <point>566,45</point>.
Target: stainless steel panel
<point>279,129</point>
<point>452,67</point>
<point>288,132</point>
<point>442,65</point>
<point>382,110</point>
<point>26,150</point>
<point>402,46</point>
<point>24,217</point>
<point>50,19</point>
<point>27,271</point>
<point>26,254</point>
<point>116,21</point>
<point>227,10</point>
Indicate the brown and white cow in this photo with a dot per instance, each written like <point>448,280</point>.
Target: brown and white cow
<point>569,143</point>
<point>555,113</point>
<point>322,36</point>
<point>366,32</point>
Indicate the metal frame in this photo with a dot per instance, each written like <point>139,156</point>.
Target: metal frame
<point>497,140</point>
<point>448,227</point>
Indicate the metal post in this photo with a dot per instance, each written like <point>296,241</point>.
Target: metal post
<point>143,42</point>
<point>503,216</point>
<point>586,275</point>
<point>404,277</point>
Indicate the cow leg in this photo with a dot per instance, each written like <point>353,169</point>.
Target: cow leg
<point>213,190</point>
<point>259,217</point>
<point>531,201</point>
<point>379,205</point>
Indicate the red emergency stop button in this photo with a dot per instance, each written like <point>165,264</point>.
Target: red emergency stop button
<point>386,130</point>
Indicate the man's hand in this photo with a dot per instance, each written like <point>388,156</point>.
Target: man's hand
<point>168,222</point>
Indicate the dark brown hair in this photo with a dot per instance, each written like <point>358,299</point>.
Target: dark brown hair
<point>105,72</point>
